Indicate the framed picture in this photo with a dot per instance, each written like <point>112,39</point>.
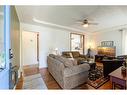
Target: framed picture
<point>107,43</point>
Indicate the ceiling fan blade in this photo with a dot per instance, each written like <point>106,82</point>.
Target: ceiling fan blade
<point>80,22</point>
<point>93,23</point>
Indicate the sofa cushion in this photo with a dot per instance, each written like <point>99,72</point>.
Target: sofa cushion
<point>60,58</point>
<point>65,61</point>
<point>80,60</point>
<point>76,70</point>
<point>74,61</point>
<point>83,56</point>
<point>68,63</point>
<point>75,54</point>
<point>67,54</point>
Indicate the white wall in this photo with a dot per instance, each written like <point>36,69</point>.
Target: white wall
<point>50,38</point>
<point>109,35</point>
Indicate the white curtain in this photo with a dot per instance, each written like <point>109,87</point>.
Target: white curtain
<point>124,42</point>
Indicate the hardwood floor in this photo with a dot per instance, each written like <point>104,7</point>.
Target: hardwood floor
<point>20,83</point>
<point>50,81</point>
<point>27,71</point>
<point>30,70</point>
<point>52,84</point>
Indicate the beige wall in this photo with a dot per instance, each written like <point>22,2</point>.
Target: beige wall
<point>15,36</point>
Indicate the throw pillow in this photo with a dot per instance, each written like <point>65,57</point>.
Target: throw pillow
<point>71,55</point>
<point>67,54</point>
<point>75,54</point>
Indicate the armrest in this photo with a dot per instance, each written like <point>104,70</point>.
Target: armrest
<point>76,69</point>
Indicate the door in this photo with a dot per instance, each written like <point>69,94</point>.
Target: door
<point>4,46</point>
<point>30,48</point>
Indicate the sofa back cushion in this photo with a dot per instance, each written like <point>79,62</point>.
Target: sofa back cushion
<point>75,54</point>
<point>74,61</point>
<point>67,62</point>
<point>71,54</point>
<point>67,54</point>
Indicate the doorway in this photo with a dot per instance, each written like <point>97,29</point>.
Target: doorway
<point>30,52</point>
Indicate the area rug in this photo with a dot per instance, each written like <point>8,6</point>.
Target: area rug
<point>96,78</point>
<point>34,82</point>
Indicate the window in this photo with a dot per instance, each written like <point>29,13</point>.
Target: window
<point>124,42</point>
<point>77,42</point>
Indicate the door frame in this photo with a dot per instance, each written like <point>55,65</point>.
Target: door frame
<point>38,48</point>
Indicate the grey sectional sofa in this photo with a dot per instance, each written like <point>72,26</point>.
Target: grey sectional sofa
<point>67,74</point>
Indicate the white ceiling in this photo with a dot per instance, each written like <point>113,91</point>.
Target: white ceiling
<point>67,16</point>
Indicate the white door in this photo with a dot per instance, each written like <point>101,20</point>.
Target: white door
<point>29,48</point>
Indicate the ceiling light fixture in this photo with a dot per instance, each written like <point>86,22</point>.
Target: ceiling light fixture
<point>85,25</point>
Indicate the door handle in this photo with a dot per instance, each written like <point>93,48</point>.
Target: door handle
<point>10,54</point>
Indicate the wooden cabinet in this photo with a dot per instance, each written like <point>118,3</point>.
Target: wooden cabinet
<point>105,52</point>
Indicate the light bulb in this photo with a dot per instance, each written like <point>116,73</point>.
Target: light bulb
<point>85,25</point>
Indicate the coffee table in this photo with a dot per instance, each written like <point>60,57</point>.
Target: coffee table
<point>117,78</point>
<point>92,65</point>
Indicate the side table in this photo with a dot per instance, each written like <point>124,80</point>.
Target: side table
<point>117,78</point>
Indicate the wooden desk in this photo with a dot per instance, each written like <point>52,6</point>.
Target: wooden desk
<point>117,78</point>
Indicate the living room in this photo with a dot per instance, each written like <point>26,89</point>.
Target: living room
<point>105,28</point>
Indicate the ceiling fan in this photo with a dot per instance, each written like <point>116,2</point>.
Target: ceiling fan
<point>86,23</point>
